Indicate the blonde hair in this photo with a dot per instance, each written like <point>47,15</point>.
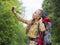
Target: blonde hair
<point>33,20</point>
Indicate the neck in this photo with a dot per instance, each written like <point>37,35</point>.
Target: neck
<point>36,19</point>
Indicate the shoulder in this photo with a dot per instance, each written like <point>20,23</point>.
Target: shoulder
<point>47,19</point>
<point>29,22</point>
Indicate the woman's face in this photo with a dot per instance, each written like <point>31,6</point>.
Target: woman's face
<point>37,14</point>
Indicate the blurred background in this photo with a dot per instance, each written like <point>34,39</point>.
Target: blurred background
<point>12,31</point>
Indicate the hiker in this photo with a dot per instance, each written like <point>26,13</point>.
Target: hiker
<point>35,27</point>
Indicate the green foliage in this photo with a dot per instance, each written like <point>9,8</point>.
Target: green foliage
<point>52,8</point>
<point>11,31</point>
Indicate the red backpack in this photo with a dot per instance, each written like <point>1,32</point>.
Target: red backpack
<point>40,40</point>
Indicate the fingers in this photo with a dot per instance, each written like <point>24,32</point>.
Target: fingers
<point>13,8</point>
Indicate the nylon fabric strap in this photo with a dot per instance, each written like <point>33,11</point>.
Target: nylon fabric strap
<point>39,32</point>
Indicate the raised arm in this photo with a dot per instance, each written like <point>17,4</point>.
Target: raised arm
<point>19,17</point>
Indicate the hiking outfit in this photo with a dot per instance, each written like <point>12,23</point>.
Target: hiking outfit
<point>36,32</point>
<point>33,31</point>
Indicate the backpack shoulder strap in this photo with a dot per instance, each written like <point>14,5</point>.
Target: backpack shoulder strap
<point>41,34</point>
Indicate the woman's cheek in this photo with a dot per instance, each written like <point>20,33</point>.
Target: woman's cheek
<point>34,17</point>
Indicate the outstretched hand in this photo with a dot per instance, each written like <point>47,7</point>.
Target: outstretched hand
<point>13,8</point>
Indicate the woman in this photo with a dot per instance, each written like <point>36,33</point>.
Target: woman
<point>32,29</point>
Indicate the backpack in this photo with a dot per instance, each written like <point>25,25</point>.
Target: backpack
<point>44,36</point>
<point>47,37</point>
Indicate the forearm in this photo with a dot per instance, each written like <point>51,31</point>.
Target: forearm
<point>19,17</point>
